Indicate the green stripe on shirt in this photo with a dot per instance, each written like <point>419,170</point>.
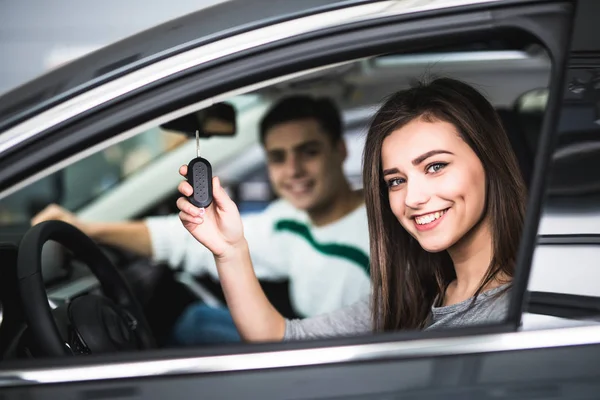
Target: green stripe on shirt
<point>350,253</point>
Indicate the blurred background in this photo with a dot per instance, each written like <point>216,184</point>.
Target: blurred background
<point>37,35</point>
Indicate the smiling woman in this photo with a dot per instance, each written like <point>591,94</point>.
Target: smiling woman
<point>445,157</point>
<point>444,237</point>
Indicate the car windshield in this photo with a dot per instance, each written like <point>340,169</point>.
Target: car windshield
<point>80,183</point>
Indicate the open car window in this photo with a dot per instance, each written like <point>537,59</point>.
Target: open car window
<point>146,163</point>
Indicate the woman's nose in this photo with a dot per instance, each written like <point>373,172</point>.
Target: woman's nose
<point>417,194</point>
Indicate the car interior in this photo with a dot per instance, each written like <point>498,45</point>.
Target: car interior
<point>135,174</point>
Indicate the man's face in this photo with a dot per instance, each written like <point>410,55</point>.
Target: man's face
<point>305,167</point>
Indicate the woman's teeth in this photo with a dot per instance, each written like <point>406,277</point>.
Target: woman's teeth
<point>429,218</point>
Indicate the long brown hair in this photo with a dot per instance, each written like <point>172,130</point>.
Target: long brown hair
<point>406,278</point>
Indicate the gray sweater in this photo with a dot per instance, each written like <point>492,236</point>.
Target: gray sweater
<point>356,319</point>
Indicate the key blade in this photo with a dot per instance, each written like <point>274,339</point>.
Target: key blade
<point>197,143</point>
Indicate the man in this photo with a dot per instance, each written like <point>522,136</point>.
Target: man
<point>315,235</point>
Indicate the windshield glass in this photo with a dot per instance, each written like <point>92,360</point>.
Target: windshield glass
<point>80,183</point>
<point>85,180</point>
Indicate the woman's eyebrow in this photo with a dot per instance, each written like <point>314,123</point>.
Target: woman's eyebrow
<point>431,153</point>
<point>417,161</point>
<point>390,171</point>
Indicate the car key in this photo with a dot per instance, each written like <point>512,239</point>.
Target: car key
<point>199,175</point>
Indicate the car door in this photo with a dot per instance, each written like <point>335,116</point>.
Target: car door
<point>461,363</point>
<point>568,244</point>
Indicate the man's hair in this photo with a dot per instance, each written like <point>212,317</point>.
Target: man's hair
<point>299,107</point>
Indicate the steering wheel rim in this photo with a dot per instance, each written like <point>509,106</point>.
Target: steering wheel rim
<point>33,293</point>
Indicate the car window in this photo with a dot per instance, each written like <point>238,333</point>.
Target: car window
<point>82,182</point>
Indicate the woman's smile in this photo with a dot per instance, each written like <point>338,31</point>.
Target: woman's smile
<point>426,222</point>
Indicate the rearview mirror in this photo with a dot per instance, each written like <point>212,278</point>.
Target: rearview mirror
<point>216,120</point>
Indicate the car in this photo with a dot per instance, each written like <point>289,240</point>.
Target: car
<point>91,135</point>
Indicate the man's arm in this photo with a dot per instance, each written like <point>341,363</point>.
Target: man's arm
<point>132,236</point>
<point>161,238</point>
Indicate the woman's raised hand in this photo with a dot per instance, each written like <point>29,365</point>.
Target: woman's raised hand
<point>219,226</point>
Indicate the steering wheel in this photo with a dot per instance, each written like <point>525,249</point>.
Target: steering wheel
<point>89,323</point>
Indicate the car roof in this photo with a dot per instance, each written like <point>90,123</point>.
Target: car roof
<point>209,24</point>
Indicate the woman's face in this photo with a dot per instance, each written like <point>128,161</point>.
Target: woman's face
<point>436,182</point>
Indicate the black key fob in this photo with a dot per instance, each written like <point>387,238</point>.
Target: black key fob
<point>199,176</point>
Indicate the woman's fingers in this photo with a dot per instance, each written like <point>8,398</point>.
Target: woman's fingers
<point>183,171</point>
<point>185,217</point>
<point>220,196</point>
<point>185,188</point>
<point>222,200</point>
<point>185,206</point>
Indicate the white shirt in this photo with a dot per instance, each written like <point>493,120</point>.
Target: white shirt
<point>328,266</point>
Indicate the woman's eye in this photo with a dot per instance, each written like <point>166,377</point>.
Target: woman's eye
<point>395,182</point>
<point>433,168</point>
